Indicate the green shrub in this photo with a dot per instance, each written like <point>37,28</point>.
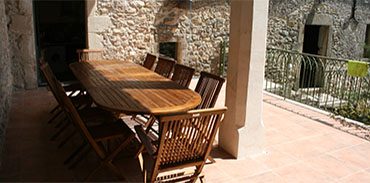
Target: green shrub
<point>359,112</point>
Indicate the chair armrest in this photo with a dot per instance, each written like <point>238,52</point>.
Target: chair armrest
<point>145,140</point>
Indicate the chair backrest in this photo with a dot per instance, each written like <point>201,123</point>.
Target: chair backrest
<point>208,86</point>
<point>74,116</point>
<point>149,61</point>
<point>70,110</point>
<point>89,54</point>
<point>50,79</point>
<point>164,66</point>
<point>182,75</point>
<point>186,139</point>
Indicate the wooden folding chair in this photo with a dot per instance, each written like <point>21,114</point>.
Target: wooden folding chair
<point>89,54</point>
<point>185,140</point>
<point>208,87</point>
<point>149,61</point>
<point>92,115</point>
<point>164,66</point>
<point>74,89</point>
<point>97,135</point>
<point>183,75</point>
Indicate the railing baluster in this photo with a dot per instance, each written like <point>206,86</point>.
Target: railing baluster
<point>314,80</point>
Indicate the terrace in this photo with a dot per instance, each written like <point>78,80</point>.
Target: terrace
<point>284,142</point>
<point>300,146</point>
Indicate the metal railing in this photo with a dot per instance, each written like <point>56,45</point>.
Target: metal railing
<point>317,81</point>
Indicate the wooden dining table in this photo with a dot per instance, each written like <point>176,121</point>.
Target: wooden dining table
<point>123,86</point>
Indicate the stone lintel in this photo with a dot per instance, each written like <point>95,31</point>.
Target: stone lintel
<point>320,19</point>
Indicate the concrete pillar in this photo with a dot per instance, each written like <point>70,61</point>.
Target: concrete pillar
<point>242,132</point>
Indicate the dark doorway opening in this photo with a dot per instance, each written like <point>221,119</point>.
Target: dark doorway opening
<point>168,49</point>
<point>60,30</point>
<point>311,39</point>
<point>312,69</point>
<point>367,42</point>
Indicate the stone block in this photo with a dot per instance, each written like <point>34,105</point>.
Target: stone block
<point>95,41</point>
<point>21,24</point>
<point>98,24</point>
<point>25,7</point>
<point>138,3</point>
<point>320,19</point>
<point>91,7</point>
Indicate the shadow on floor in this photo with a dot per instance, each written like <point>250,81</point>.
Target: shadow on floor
<point>30,155</point>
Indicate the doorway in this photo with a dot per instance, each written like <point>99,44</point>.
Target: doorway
<point>60,30</point>
<point>316,39</point>
<point>367,42</point>
<point>312,69</point>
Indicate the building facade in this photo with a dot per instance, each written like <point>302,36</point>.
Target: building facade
<point>335,28</point>
<point>126,30</point>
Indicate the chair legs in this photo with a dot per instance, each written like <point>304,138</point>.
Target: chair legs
<point>82,155</point>
<point>150,123</point>
<point>108,160</point>
<point>75,153</point>
<point>54,109</point>
<point>55,116</point>
<point>210,158</point>
<point>61,129</point>
<point>148,126</point>
<point>201,178</point>
<point>111,166</point>
<point>61,144</point>
<point>61,122</point>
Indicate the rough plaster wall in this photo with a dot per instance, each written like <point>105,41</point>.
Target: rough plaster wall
<point>286,17</point>
<point>128,29</point>
<point>5,75</point>
<point>22,43</point>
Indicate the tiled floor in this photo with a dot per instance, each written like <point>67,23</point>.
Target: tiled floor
<point>298,149</point>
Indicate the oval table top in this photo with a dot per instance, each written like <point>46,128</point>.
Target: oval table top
<point>130,88</point>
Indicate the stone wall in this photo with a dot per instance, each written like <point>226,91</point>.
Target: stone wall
<point>288,17</point>
<point>5,75</point>
<point>128,29</point>
<point>22,43</point>
<point>208,28</point>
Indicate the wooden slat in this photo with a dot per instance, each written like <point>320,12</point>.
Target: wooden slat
<point>185,140</point>
<point>130,88</point>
